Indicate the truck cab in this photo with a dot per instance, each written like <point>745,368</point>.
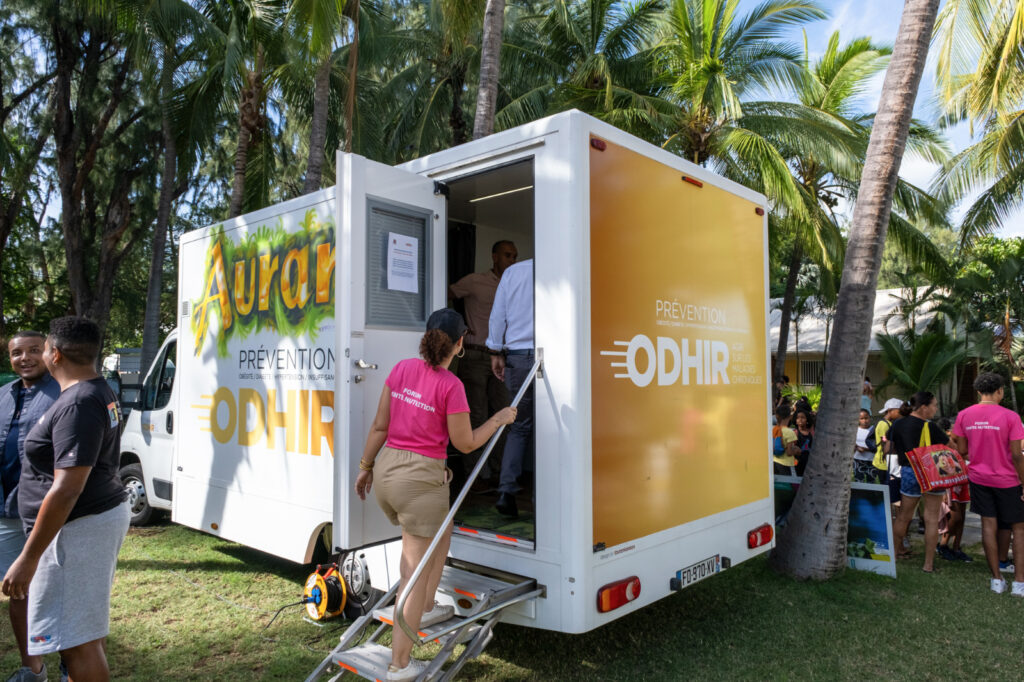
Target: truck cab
<point>147,443</point>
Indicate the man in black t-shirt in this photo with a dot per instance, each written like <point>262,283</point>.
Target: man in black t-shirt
<point>68,436</point>
<point>72,506</point>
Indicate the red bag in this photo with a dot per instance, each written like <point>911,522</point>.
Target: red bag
<point>936,467</point>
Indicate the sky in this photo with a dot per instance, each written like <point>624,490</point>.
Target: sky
<point>880,19</point>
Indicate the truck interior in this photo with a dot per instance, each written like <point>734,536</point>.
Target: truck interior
<point>485,208</point>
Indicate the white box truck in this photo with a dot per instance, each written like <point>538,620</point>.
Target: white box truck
<point>652,465</point>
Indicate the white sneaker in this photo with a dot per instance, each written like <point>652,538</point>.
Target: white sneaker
<point>1018,589</point>
<point>408,673</point>
<point>436,615</point>
<point>25,674</point>
<point>998,585</point>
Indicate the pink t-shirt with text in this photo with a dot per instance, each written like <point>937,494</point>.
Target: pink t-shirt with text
<point>989,429</point>
<point>421,400</point>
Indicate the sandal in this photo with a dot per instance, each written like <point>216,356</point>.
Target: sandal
<point>925,570</point>
<point>906,554</point>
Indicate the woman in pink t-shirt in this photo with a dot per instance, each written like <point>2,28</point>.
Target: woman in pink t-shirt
<point>422,407</point>
<point>992,435</point>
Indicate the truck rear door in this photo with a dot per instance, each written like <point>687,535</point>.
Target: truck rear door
<point>391,260</point>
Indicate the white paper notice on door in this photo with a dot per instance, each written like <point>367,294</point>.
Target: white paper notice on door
<point>403,259</point>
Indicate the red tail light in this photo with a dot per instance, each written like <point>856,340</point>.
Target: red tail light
<point>616,594</point>
<point>761,535</point>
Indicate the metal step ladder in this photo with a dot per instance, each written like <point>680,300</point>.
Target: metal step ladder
<point>479,594</point>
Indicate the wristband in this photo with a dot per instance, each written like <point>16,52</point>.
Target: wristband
<point>363,466</point>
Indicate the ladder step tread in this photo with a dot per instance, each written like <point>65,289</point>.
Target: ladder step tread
<point>387,615</point>
<point>468,584</point>
<point>369,661</point>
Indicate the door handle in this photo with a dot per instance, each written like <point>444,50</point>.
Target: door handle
<point>170,421</point>
<point>363,364</point>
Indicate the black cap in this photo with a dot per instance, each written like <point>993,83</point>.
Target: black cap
<point>448,321</point>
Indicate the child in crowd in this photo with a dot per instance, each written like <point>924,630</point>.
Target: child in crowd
<point>863,470</point>
<point>957,498</point>
<point>803,426</point>
<point>784,447</point>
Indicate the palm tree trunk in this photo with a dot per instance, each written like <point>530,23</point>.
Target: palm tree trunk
<point>353,72</point>
<point>457,118</point>
<point>318,126</point>
<point>786,311</point>
<point>796,349</point>
<point>249,117</point>
<point>151,320</point>
<point>490,62</point>
<point>812,544</point>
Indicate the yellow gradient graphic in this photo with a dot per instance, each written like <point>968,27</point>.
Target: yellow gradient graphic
<point>680,413</point>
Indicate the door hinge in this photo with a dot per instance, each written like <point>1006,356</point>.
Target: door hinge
<point>441,188</point>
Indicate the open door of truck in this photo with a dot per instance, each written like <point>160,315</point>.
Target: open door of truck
<point>391,246</point>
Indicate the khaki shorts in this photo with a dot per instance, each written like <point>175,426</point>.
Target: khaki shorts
<point>412,489</point>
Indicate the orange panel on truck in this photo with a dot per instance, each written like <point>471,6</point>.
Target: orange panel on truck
<point>678,347</point>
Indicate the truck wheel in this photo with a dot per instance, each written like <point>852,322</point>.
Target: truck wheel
<point>361,596</point>
<point>138,502</point>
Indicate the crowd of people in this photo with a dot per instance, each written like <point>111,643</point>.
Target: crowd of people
<point>987,436</point>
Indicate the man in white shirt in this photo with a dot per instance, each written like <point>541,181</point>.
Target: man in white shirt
<point>485,393</point>
<point>510,340</point>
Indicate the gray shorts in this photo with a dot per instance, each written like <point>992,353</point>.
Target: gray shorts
<point>12,541</point>
<point>69,597</point>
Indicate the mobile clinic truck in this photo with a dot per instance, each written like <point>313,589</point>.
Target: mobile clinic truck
<point>652,461</point>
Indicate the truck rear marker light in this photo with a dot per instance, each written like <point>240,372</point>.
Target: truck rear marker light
<point>469,530</point>
<point>466,594</point>
<point>693,181</point>
<point>761,535</point>
<point>597,144</point>
<point>619,593</point>
<point>759,211</point>
<point>506,538</point>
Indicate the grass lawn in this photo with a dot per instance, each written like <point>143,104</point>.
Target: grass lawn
<point>190,606</point>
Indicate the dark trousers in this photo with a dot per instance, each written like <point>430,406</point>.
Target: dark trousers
<point>486,395</point>
<point>519,445</point>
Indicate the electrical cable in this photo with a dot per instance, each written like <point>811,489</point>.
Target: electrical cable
<point>278,613</point>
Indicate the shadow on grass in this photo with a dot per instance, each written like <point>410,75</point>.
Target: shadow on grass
<point>207,565</point>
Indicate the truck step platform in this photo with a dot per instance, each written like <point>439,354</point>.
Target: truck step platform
<point>386,615</point>
<point>479,594</point>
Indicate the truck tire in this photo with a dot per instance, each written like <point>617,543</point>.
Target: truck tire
<point>362,597</point>
<point>138,501</point>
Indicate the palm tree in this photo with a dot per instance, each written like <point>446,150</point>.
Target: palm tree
<point>156,31</point>
<point>920,363</point>
<point>316,26</point>
<point>812,544</point>
<point>980,73</point>
<point>490,67</point>
<point>712,59</point>
<point>243,53</point>
<point>603,52</point>
<point>424,75</point>
<point>826,173</point>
